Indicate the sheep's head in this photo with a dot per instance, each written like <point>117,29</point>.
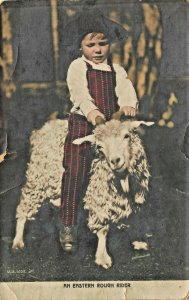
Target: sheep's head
<point>113,139</point>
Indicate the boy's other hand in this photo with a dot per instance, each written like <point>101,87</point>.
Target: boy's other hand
<point>129,111</point>
<point>92,116</point>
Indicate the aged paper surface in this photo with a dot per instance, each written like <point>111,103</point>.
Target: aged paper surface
<point>150,252</point>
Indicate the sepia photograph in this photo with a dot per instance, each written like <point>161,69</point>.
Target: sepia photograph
<point>94,150</point>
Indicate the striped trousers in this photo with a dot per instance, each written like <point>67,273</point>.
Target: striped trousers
<point>77,163</point>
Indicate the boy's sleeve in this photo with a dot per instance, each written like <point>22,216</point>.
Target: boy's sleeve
<point>124,88</point>
<point>78,87</point>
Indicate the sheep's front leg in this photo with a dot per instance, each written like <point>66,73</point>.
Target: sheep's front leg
<point>18,242</point>
<point>102,257</point>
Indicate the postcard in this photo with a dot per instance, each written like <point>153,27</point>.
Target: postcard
<point>94,143</point>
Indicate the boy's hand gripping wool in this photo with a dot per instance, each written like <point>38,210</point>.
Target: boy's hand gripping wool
<point>118,183</point>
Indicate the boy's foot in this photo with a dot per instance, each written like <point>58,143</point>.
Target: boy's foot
<point>68,238</point>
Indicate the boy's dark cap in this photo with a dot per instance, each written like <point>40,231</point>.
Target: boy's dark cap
<point>92,20</point>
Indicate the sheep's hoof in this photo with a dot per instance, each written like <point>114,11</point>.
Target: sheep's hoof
<point>104,262</point>
<point>17,245</point>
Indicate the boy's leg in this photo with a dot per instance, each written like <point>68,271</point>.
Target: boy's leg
<point>77,163</point>
<point>76,174</point>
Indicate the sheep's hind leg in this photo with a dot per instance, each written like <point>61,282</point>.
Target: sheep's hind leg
<point>18,242</point>
<point>56,202</point>
<point>102,257</point>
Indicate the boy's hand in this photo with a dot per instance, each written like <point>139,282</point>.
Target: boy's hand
<point>129,111</point>
<point>92,116</point>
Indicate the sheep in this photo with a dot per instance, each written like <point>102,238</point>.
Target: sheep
<point>118,182</point>
<point>119,179</point>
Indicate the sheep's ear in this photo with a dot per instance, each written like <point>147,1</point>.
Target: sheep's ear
<point>136,124</point>
<point>88,138</point>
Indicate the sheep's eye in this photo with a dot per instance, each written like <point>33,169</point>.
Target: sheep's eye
<point>99,148</point>
<point>126,136</point>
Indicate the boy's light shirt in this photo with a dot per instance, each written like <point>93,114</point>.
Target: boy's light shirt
<point>82,101</point>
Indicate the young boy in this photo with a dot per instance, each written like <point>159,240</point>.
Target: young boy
<point>97,88</point>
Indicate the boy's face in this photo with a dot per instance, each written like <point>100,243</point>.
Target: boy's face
<point>95,47</point>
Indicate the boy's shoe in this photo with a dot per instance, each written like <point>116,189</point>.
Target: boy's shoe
<point>68,238</point>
